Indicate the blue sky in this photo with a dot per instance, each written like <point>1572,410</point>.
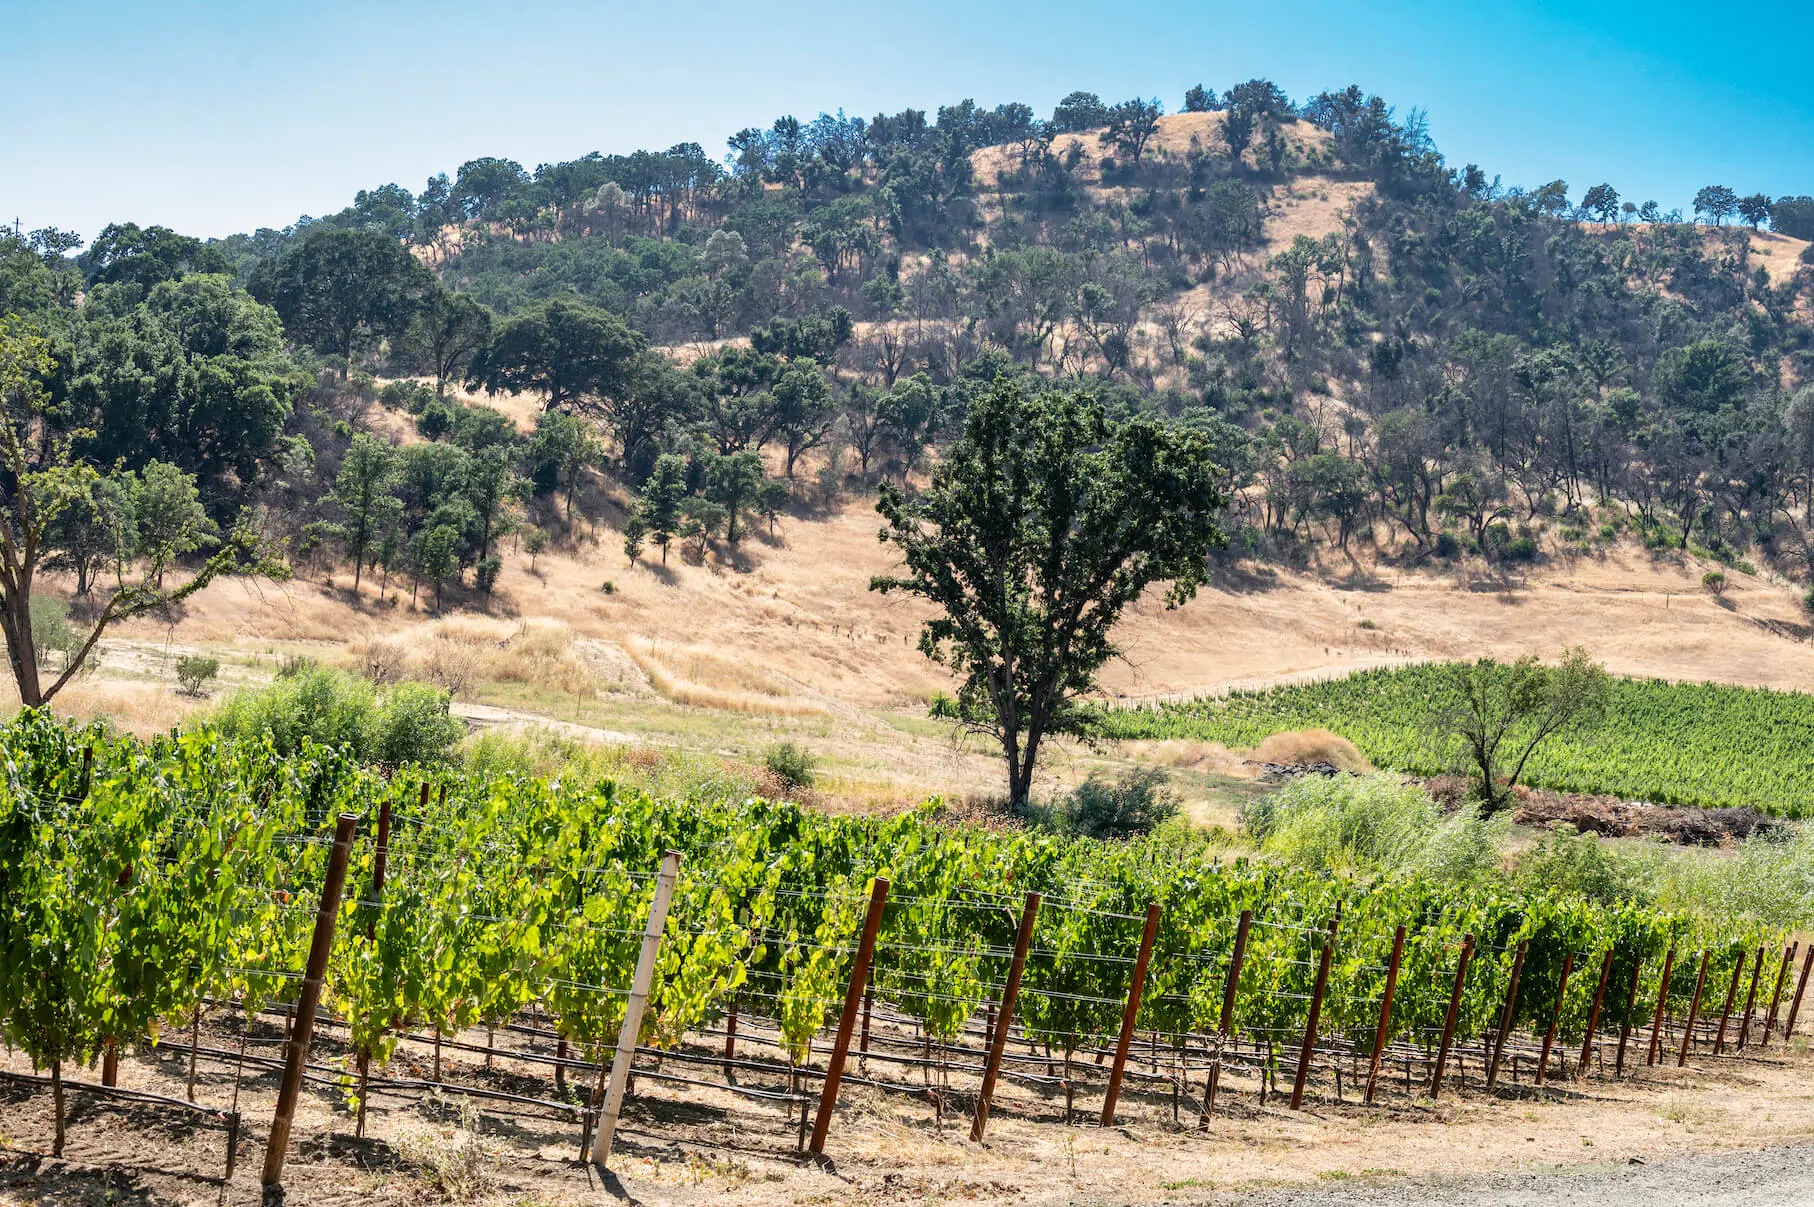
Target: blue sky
<point>214,117</point>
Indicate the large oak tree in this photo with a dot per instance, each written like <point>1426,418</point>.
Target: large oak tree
<point>1044,521</point>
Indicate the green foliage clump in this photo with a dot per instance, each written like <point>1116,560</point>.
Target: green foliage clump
<point>1136,802</point>
<point>410,723</point>
<point>1373,824</point>
<point>50,628</point>
<point>195,671</point>
<point>792,764</point>
<point>1584,865</point>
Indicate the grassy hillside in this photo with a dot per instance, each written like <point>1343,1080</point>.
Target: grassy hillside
<point>1676,743</point>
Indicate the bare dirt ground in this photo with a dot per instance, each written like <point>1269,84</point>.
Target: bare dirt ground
<point>689,1145</point>
<point>1765,1178</point>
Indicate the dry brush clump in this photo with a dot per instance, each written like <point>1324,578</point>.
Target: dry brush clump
<point>457,654</point>
<point>456,1162</point>
<point>698,676</point>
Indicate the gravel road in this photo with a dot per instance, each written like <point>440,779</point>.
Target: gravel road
<point>1775,1177</point>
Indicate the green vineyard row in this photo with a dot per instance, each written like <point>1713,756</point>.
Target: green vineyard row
<point>187,869</point>
<point>1673,743</point>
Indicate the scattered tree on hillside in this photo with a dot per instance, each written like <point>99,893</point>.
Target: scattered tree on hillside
<point>734,483</point>
<point>339,291</point>
<point>1754,209</point>
<point>446,333</point>
<point>1132,123</point>
<point>562,449</point>
<point>566,351</point>
<point>1503,712</point>
<point>43,479</point>
<point>804,411</point>
<point>658,504</point>
<point>1716,202</point>
<point>1602,201</point>
<point>1078,112</point>
<point>1198,99</point>
<point>365,493</point>
<point>1042,523</point>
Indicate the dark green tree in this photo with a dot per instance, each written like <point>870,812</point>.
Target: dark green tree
<point>39,478</point>
<point>562,448</point>
<point>658,503</point>
<point>1132,124</point>
<point>448,331</point>
<point>566,351</point>
<point>365,494</point>
<point>341,291</point>
<point>1755,209</point>
<point>125,253</point>
<point>735,484</point>
<point>804,411</point>
<point>1044,521</point>
<point>1602,201</point>
<point>1078,112</point>
<point>1716,202</point>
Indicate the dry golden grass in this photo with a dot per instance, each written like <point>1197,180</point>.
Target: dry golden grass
<point>135,707</point>
<point>696,675</point>
<point>458,653</point>
<point>1311,746</point>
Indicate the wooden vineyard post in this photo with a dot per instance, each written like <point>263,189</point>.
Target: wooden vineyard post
<point>631,1028</point>
<point>1631,1003</point>
<point>730,1036</point>
<point>1004,1016</point>
<point>1656,1024</point>
<point>1776,999</point>
<point>1316,1013</point>
<point>1505,1017</point>
<point>1694,1011</point>
<point>1807,966</point>
<point>1555,1020</point>
<point>296,1048</point>
<point>1385,1012</point>
<point>1448,1022</point>
<point>1227,1021</point>
<point>380,856</point>
<point>1744,1024</point>
<point>1129,1013</point>
<point>847,1021</point>
<point>1719,1041</point>
<point>1593,1016</point>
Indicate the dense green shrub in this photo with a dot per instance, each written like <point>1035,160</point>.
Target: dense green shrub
<point>195,671</point>
<point>410,723</point>
<point>791,763</point>
<point>1134,803</point>
<point>1373,823</point>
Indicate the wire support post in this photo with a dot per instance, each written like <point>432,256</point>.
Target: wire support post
<point>847,1021</point>
<point>1130,1014</point>
<point>308,1000</point>
<point>1004,1017</point>
<point>1316,1012</point>
<point>628,1033</point>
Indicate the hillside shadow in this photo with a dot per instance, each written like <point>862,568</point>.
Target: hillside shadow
<point>1359,579</point>
<point>1236,580</point>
